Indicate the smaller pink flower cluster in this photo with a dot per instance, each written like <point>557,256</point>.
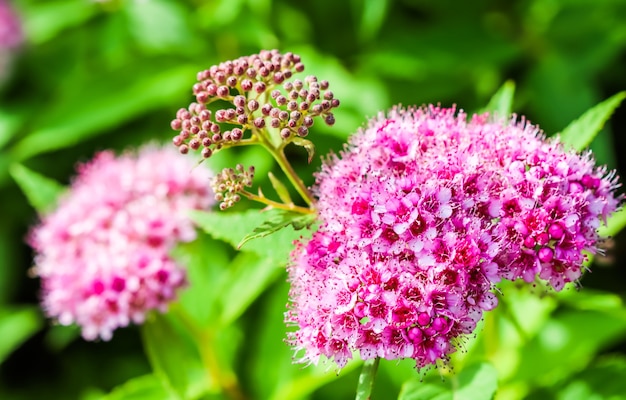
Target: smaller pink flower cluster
<point>103,254</point>
<point>421,215</point>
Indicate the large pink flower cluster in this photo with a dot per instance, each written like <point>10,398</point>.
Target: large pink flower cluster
<point>423,212</point>
<point>103,254</point>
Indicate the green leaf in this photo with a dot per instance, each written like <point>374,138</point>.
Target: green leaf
<point>590,299</point>
<point>46,20</point>
<point>58,337</point>
<point>278,220</point>
<point>280,189</point>
<point>249,275</point>
<point>476,382</point>
<point>158,25</point>
<point>173,356</point>
<point>16,326</point>
<point>501,103</point>
<point>207,262</point>
<point>147,387</point>
<point>415,390</point>
<point>581,132</point>
<point>105,107</point>
<point>10,120</point>
<point>308,145</point>
<point>232,227</point>
<point>372,18</point>
<point>567,343</point>
<point>602,380</point>
<point>42,192</point>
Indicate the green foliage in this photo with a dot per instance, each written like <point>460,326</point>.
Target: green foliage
<point>248,276</point>
<point>501,103</point>
<point>476,382</point>
<point>77,118</point>
<point>147,387</point>
<point>173,355</point>
<point>17,324</point>
<point>98,75</point>
<point>42,192</point>
<point>276,246</point>
<point>581,132</point>
<point>277,220</point>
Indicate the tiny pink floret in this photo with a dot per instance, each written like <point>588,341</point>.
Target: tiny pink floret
<point>103,254</point>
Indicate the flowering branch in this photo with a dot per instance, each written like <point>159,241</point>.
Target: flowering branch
<point>262,103</point>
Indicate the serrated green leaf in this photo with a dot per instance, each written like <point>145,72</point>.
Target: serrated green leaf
<point>16,326</point>
<point>232,227</point>
<point>501,103</point>
<point>278,220</point>
<point>303,221</point>
<point>280,189</point>
<point>581,132</point>
<point>42,192</point>
<point>307,144</point>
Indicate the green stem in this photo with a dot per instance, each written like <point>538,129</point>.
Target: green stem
<point>225,377</point>
<point>275,204</point>
<point>216,372</point>
<point>366,379</point>
<point>293,177</point>
<point>263,137</point>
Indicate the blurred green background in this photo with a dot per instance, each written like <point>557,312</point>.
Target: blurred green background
<point>111,74</point>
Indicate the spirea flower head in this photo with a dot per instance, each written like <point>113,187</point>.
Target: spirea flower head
<point>420,215</point>
<point>103,254</point>
<point>256,92</point>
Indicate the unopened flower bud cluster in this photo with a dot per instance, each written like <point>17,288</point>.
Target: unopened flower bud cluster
<point>229,183</point>
<point>257,93</point>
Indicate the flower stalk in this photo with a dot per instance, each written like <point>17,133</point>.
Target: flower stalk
<point>366,379</point>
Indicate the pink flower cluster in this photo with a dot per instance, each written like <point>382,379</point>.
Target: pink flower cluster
<point>421,215</point>
<point>103,255</point>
